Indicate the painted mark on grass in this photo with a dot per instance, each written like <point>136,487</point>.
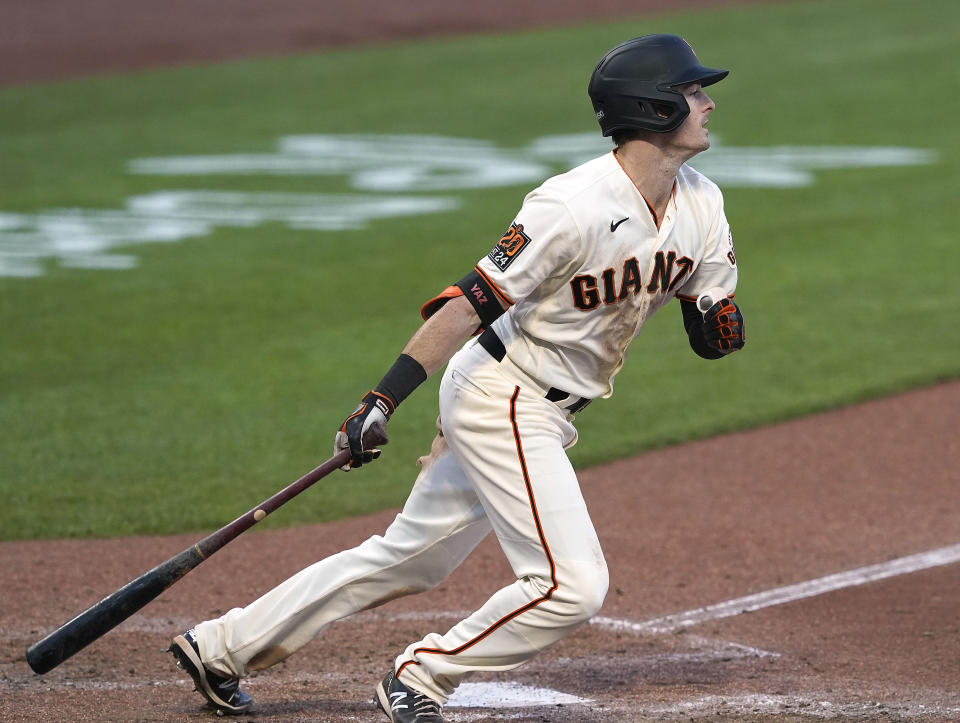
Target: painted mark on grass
<point>799,591</point>
<point>386,168</point>
<point>415,163</point>
<point>85,238</point>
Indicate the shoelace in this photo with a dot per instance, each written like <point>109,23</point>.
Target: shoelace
<point>227,687</point>
<point>425,706</point>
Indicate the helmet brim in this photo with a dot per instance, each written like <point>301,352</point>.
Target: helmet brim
<point>701,75</point>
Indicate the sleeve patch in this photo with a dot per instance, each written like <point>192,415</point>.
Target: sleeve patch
<point>509,246</point>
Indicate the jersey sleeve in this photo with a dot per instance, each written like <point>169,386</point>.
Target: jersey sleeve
<point>718,267</point>
<point>541,242</point>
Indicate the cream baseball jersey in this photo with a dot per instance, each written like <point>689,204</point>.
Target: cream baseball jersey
<point>586,263</point>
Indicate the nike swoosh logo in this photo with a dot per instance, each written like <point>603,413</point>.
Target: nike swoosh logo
<point>615,226</point>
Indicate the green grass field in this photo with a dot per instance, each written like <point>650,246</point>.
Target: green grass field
<point>175,395</point>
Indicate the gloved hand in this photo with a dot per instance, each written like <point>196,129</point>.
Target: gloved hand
<point>374,408</point>
<point>723,327</point>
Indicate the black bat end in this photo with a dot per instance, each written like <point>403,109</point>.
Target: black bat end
<point>42,657</point>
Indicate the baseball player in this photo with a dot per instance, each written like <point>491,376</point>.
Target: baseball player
<point>538,329</point>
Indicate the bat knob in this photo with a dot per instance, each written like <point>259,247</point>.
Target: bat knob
<point>41,659</point>
<point>710,297</point>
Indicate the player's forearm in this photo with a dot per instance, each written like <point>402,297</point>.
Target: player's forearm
<point>439,338</point>
<point>432,346</point>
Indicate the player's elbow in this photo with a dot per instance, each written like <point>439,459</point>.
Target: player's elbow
<point>458,317</point>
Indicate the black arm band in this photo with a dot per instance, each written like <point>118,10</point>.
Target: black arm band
<point>404,376</point>
<point>482,296</point>
<point>693,323</point>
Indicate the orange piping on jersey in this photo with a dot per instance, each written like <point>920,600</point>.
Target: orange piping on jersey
<point>543,541</point>
<point>653,211</point>
<point>433,305</point>
<point>496,289</point>
<point>684,297</point>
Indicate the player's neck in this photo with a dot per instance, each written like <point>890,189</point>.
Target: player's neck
<point>652,170</point>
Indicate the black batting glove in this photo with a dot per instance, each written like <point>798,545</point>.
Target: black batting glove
<point>375,407</point>
<point>723,327</point>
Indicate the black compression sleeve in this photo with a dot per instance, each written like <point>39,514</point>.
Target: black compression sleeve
<point>404,376</point>
<point>482,296</point>
<point>693,323</point>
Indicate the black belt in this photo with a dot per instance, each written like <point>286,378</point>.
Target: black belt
<point>495,348</point>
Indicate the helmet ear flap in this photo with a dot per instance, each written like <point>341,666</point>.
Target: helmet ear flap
<point>656,109</point>
<point>662,110</point>
<point>661,114</point>
<point>669,114</point>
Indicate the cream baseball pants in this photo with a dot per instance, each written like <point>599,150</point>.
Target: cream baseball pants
<point>498,464</point>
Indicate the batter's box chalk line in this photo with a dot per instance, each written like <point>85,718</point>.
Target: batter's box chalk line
<point>811,588</point>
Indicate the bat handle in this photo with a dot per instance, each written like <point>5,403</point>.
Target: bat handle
<point>375,436</point>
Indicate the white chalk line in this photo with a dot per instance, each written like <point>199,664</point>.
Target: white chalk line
<point>813,705</point>
<point>811,588</point>
<point>710,648</point>
<point>667,623</point>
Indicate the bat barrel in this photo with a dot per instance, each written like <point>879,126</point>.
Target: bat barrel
<point>46,654</point>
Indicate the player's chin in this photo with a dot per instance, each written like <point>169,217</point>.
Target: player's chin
<point>692,144</point>
<point>699,146</point>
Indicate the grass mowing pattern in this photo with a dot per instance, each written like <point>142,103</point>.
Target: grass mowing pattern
<point>176,395</point>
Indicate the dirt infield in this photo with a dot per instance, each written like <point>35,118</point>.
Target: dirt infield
<point>840,491</point>
<point>862,490</point>
<point>45,39</point>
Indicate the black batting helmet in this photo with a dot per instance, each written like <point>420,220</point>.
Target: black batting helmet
<point>634,84</point>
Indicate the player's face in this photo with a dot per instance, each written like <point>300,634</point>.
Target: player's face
<point>692,135</point>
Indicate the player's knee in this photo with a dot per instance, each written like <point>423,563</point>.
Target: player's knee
<point>585,592</point>
<point>595,591</point>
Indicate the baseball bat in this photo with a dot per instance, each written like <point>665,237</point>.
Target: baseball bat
<point>46,654</point>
